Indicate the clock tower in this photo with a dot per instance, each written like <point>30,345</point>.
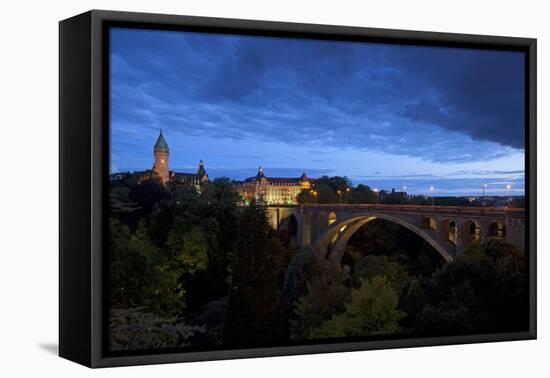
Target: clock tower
<point>161,159</point>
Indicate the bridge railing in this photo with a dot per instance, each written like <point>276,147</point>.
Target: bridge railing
<point>420,209</point>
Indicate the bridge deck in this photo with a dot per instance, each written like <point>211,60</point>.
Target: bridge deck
<point>418,209</point>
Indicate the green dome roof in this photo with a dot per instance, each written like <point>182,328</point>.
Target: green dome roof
<point>161,144</point>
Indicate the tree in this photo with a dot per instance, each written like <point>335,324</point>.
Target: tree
<point>254,313</point>
<point>326,294</point>
<point>134,329</point>
<point>306,196</point>
<point>281,256</point>
<point>148,192</point>
<point>161,221</point>
<point>361,194</point>
<point>336,183</point>
<point>185,196</point>
<point>139,275</point>
<point>192,251</point>
<point>373,310</point>
<point>483,290</point>
<point>370,266</point>
<point>325,193</point>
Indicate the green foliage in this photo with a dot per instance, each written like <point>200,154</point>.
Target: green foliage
<point>191,250</point>
<point>335,183</point>
<point>254,312</point>
<point>361,194</point>
<point>325,193</point>
<point>120,193</point>
<point>184,195</point>
<point>483,290</point>
<point>306,196</point>
<point>196,255</point>
<point>336,189</point>
<point>161,220</point>
<point>326,294</point>
<point>131,329</point>
<point>212,317</point>
<point>139,275</point>
<point>370,266</point>
<point>148,192</point>
<point>411,301</point>
<point>373,310</point>
<point>281,256</point>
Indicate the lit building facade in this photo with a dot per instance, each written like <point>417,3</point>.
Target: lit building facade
<point>273,190</point>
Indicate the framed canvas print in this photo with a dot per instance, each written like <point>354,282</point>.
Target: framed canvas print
<point>233,188</point>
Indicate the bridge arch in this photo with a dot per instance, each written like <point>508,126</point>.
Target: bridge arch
<point>429,223</point>
<point>496,230</point>
<point>333,241</point>
<point>470,231</point>
<point>450,230</point>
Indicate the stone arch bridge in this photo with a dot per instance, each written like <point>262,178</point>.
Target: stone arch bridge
<point>327,228</point>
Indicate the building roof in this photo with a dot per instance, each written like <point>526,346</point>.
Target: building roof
<point>278,180</point>
<point>184,174</point>
<point>161,144</point>
<point>200,175</point>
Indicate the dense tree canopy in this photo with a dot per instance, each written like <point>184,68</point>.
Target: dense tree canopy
<point>190,267</point>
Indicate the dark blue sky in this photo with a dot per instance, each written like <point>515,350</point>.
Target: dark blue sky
<point>385,115</point>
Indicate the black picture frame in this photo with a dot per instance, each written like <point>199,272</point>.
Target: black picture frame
<point>83,165</point>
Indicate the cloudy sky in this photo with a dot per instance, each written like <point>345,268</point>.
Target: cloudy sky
<point>384,115</point>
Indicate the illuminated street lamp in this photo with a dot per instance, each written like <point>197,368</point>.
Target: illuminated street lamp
<point>314,193</point>
<point>509,187</point>
<point>375,190</point>
<point>432,194</point>
<point>484,187</point>
<point>339,196</point>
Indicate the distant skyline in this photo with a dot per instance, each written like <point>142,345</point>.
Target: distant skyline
<point>384,115</point>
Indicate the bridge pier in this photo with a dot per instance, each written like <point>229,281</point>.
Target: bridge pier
<point>305,232</point>
<point>460,242</point>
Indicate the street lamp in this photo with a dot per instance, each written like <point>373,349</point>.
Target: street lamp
<point>484,187</point>
<point>339,196</point>
<point>375,190</point>
<point>509,201</point>
<point>432,194</point>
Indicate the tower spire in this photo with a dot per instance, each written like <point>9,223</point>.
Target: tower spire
<point>161,144</point>
<point>201,171</point>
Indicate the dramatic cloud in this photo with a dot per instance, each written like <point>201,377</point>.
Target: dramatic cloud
<point>441,105</point>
